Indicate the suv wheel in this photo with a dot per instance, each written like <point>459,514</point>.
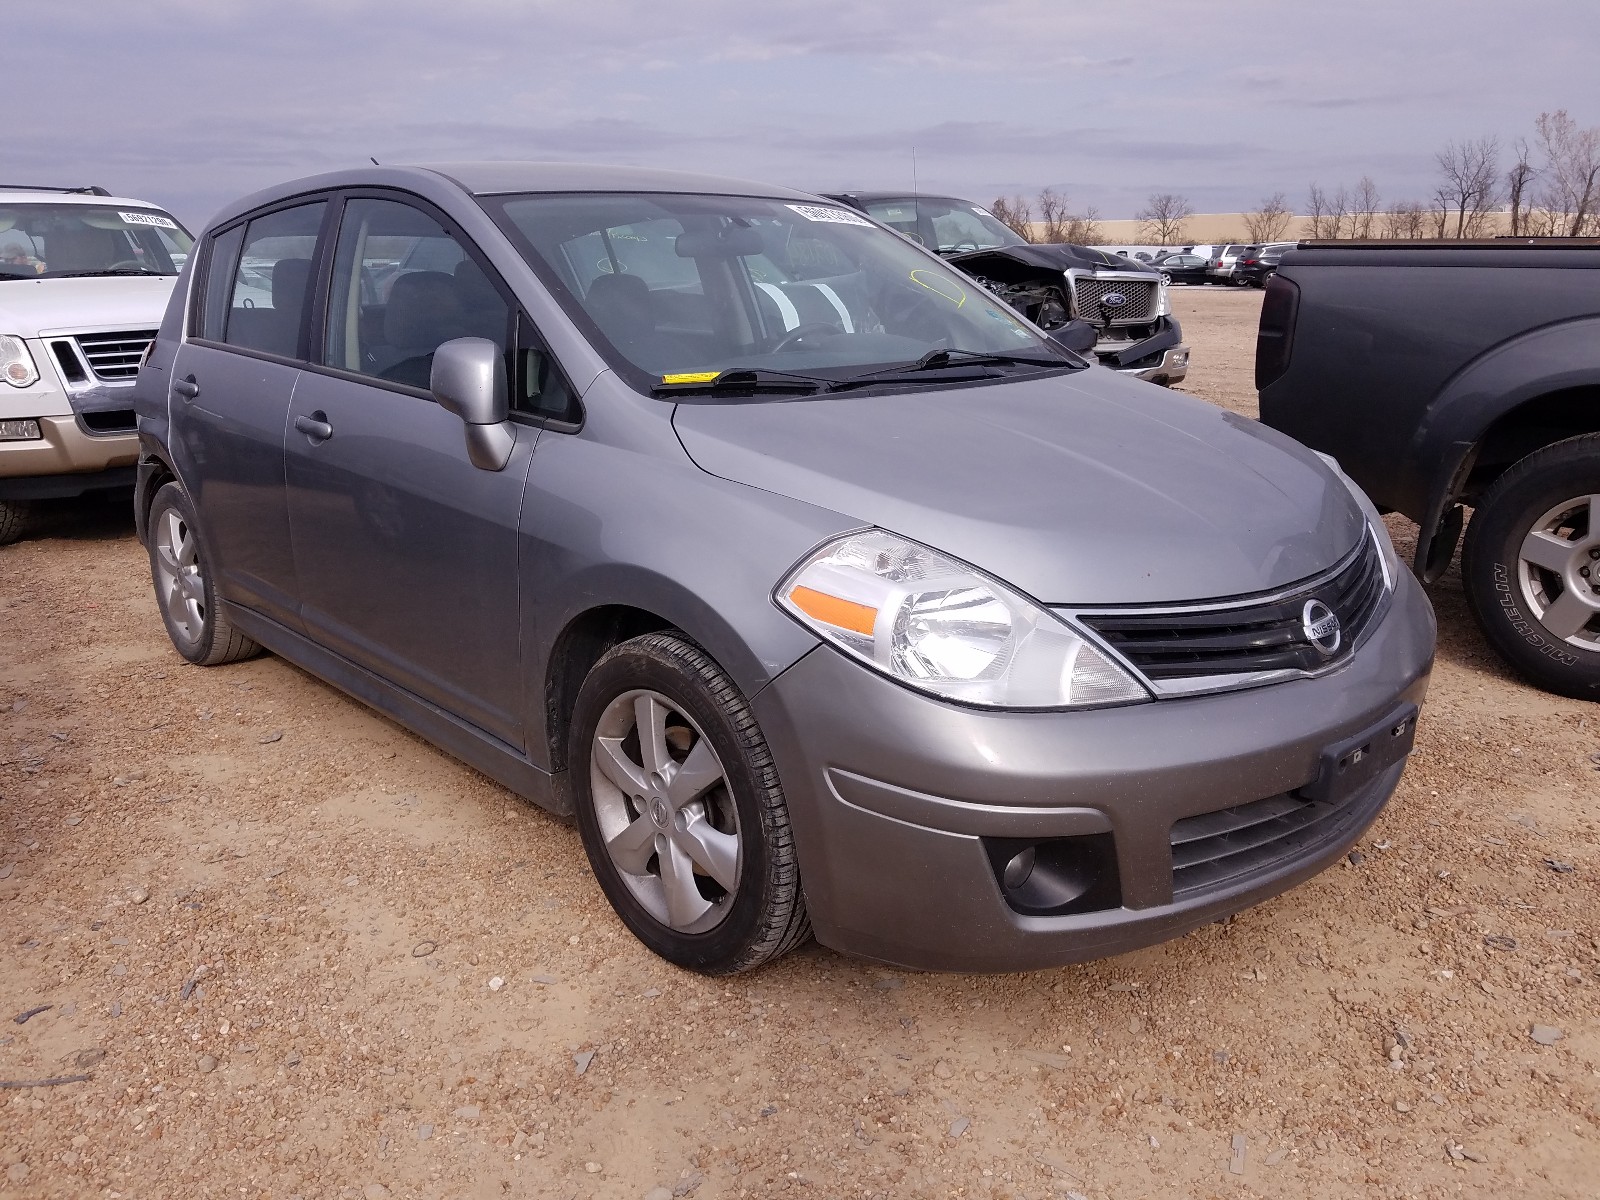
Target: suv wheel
<point>186,588</point>
<point>13,520</point>
<point>1532,566</point>
<point>681,811</point>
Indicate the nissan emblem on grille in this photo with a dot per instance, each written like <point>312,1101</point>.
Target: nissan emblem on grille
<point>1321,625</point>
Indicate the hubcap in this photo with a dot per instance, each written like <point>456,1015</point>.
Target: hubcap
<point>183,593</point>
<point>662,803</point>
<point>1558,570</point>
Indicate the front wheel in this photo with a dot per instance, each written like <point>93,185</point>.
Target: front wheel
<point>1531,565</point>
<point>13,520</point>
<point>681,811</point>
<point>186,587</point>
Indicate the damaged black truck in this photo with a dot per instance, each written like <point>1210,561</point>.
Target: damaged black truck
<point>1051,285</point>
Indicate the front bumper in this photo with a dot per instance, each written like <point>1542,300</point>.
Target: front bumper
<point>898,799</point>
<point>1172,367</point>
<point>65,461</point>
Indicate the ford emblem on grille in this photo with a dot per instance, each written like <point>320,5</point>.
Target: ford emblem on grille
<point>1113,300</point>
<point>1321,626</point>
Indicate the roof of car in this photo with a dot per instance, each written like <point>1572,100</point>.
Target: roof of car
<point>51,196</point>
<point>494,178</point>
<point>879,197</point>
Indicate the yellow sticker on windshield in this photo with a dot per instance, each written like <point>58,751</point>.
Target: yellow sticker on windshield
<point>940,286</point>
<point>691,377</point>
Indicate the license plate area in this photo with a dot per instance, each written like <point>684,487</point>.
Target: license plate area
<point>1350,765</point>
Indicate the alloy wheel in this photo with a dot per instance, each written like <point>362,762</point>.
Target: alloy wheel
<point>183,592</point>
<point>1558,570</point>
<point>661,801</point>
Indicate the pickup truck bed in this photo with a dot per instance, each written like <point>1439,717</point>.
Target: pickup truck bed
<point>1433,371</point>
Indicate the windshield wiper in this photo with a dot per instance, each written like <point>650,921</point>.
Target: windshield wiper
<point>96,274</point>
<point>947,357</point>
<point>749,379</point>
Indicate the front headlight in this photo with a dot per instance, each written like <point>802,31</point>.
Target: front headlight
<point>941,627</point>
<point>1163,299</point>
<point>16,364</point>
<point>1376,529</point>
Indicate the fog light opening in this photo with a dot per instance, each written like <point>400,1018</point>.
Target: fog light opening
<point>1056,876</point>
<point>1018,869</point>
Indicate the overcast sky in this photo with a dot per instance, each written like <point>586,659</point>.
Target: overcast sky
<point>191,102</point>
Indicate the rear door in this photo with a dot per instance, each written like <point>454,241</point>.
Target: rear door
<point>231,385</point>
<point>406,552</point>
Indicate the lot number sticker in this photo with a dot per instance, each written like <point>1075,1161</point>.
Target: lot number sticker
<point>143,218</point>
<point>837,216</point>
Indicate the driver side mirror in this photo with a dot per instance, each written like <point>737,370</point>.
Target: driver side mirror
<point>469,379</point>
<point>1076,335</point>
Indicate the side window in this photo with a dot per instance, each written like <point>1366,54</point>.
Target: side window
<point>218,290</point>
<point>402,286</point>
<point>541,389</point>
<point>272,285</point>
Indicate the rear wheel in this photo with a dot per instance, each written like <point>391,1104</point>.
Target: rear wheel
<point>1532,566</point>
<point>13,520</point>
<point>681,811</point>
<point>186,587</point>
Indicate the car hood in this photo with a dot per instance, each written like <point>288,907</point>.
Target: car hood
<point>39,307</point>
<point>1050,258</point>
<point>1078,490</point>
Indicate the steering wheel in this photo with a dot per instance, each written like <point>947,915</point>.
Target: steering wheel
<point>799,333</point>
<point>127,264</point>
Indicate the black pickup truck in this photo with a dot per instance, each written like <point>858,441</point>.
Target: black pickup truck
<point>1445,376</point>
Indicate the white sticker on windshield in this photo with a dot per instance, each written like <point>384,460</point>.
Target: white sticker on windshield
<point>141,218</point>
<point>838,216</point>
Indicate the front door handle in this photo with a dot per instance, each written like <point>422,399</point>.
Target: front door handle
<point>315,426</point>
<point>187,388</point>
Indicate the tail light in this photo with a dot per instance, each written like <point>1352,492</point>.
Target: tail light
<point>1275,337</point>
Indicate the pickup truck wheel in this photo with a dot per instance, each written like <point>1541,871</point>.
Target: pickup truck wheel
<point>186,589</point>
<point>1532,566</point>
<point>13,520</point>
<point>681,811</point>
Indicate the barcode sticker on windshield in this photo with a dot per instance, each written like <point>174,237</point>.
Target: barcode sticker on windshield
<point>838,216</point>
<point>139,218</point>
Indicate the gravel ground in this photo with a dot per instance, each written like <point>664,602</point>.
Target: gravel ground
<point>297,952</point>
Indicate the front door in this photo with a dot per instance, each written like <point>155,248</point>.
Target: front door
<point>231,385</point>
<point>406,553</point>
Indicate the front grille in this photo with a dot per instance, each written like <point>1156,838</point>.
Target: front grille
<point>114,356</point>
<point>1139,299</point>
<point>1245,636</point>
<point>1214,848</point>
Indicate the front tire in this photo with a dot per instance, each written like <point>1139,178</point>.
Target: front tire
<point>1531,565</point>
<point>13,520</point>
<point>681,811</point>
<point>186,587</point>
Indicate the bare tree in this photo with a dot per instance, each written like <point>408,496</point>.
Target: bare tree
<point>1364,208</point>
<point>1469,182</point>
<point>1052,217</point>
<point>1405,220</point>
<point>1084,229</point>
<point>1015,214</point>
<point>1572,172</point>
<point>1518,180</point>
<point>1163,218</point>
<point>1270,221</point>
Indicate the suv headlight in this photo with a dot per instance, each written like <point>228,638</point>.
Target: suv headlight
<point>941,627</point>
<point>16,364</point>
<point>1378,531</point>
<point>1163,298</point>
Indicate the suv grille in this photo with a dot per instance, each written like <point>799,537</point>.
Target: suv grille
<point>1139,299</point>
<point>1213,848</point>
<point>114,356</point>
<point>1246,637</point>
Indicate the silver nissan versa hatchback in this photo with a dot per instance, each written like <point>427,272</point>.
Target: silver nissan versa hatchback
<point>824,591</point>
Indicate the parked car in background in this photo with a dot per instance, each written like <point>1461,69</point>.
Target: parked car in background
<point>1224,260</point>
<point>824,591</point>
<point>84,279</point>
<point>1259,263</point>
<point>1185,268</point>
<point>1446,376</point>
<point>1126,302</point>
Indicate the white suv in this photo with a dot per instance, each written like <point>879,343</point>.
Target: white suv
<point>84,280</point>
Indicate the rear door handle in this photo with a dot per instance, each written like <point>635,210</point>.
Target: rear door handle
<point>187,388</point>
<point>315,426</point>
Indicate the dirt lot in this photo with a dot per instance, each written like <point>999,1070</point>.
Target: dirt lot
<point>300,953</point>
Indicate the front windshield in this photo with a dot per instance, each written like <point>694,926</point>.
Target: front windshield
<point>948,226</point>
<point>41,240</point>
<point>681,288</point>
